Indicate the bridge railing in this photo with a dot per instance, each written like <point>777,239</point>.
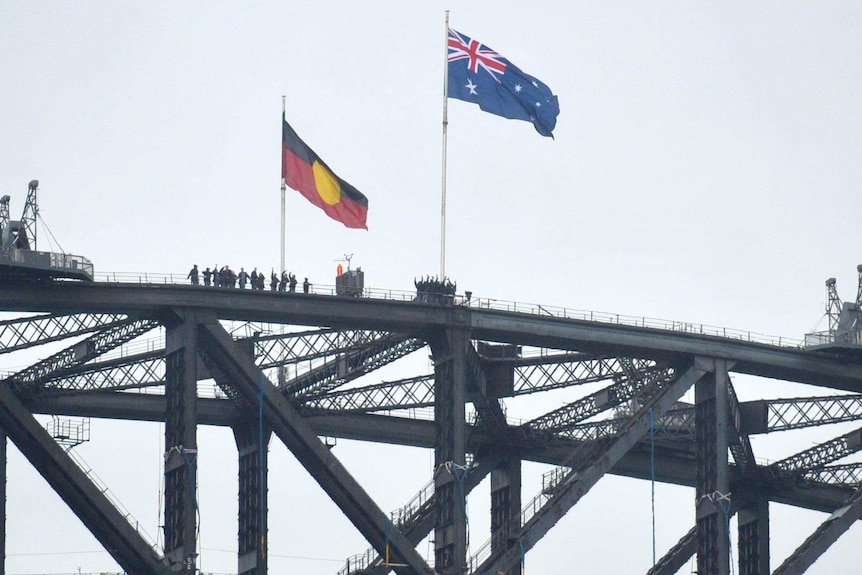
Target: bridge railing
<point>499,305</point>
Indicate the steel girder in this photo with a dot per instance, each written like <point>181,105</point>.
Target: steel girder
<point>80,353</point>
<point>819,494</point>
<point>490,414</point>
<point>562,370</point>
<point>766,415</point>
<point>600,338</point>
<point>449,353</point>
<point>738,442</point>
<point>712,486</point>
<point>110,527</point>
<point>675,426</point>
<point>753,536</point>
<point>250,383</point>
<point>849,474</point>
<point>553,371</point>
<point>351,365</point>
<point>294,347</point>
<point>823,537</point>
<point>677,556</point>
<point>252,439</point>
<point>23,333</point>
<point>181,452</point>
<point>575,483</point>
<point>627,388</point>
<point>409,393</point>
<point>817,456</point>
<point>128,372</point>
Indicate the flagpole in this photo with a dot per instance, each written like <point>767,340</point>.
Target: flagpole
<point>283,187</point>
<point>445,135</point>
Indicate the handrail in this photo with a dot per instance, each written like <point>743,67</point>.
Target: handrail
<point>497,305</point>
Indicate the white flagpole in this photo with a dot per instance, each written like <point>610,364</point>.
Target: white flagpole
<point>283,187</point>
<point>445,134</point>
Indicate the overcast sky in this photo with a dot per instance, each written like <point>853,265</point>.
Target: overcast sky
<point>705,168</point>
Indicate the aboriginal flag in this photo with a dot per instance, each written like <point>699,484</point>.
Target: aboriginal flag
<point>306,173</point>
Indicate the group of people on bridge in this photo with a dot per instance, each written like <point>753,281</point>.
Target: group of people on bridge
<point>226,278</point>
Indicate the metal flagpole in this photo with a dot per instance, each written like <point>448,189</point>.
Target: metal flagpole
<point>445,134</point>
<point>283,187</point>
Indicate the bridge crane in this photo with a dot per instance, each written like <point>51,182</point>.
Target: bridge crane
<point>845,319</point>
<point>19,258</point>
<point>20,234</point>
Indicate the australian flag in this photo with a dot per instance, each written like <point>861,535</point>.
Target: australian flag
<point>480,75</point>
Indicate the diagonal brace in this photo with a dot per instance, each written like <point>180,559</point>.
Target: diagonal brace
<point>128,548</point>
<point>823,537</point>
<point>573,488</point>
<point>300,439</point>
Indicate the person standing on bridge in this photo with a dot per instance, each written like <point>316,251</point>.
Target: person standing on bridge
<point>306,285</point>
<point>273,281</point>
<point>243,278</point>
<point>292,285</point>
<point>253,278</point>
<point>207,275</point>
<point>193,275</point>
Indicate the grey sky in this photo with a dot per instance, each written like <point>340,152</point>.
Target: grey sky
<point>705,169</point>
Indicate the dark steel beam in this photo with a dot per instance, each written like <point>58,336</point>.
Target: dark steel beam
<point>506,505</point>
<point>817,456</point>
<point>346,367</point>
<point>301,440</point>
<point>577,482</point>
<point>738,442</point>
<point>86,500</point>
<point>408,393</point>
<point>625,389</point>
<point>823,537</point>
<point>547,372</point>
<point>252,439</point>
<point>449,353</point>
<point>712,489</point>
<point>181,448</point>
<point>4,462</point>
<point>767,415</point>
<point>753,537</point>
<point>414,318</point>
<point>677,556</point>
<point>26,332</point>
<point>79,353</point>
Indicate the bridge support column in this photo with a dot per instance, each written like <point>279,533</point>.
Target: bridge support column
<point>181,452</point>
<point>506,505</point>
<point>252,439</point>
<point>448,350</point>
<point>3,468</point>
<point>753,522</point>
<point>712,485</point>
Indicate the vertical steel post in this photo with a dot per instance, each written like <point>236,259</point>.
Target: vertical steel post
<point>3,468</point>
<point>506,505</point>
<point>712,486</point>
<point>181,452</point>
<point>448,350</point>
<point>251,442</point>
<point>753,527</point>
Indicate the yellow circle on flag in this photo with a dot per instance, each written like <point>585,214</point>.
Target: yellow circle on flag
<point>326,184</point>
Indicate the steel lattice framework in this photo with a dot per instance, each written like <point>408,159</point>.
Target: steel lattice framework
<point>308,366</point>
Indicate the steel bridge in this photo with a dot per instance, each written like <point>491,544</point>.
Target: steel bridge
<point>635,425</point>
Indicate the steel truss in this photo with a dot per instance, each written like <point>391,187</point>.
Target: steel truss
<point>477,359</point>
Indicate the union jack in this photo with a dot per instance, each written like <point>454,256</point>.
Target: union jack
<point>478,55</point>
